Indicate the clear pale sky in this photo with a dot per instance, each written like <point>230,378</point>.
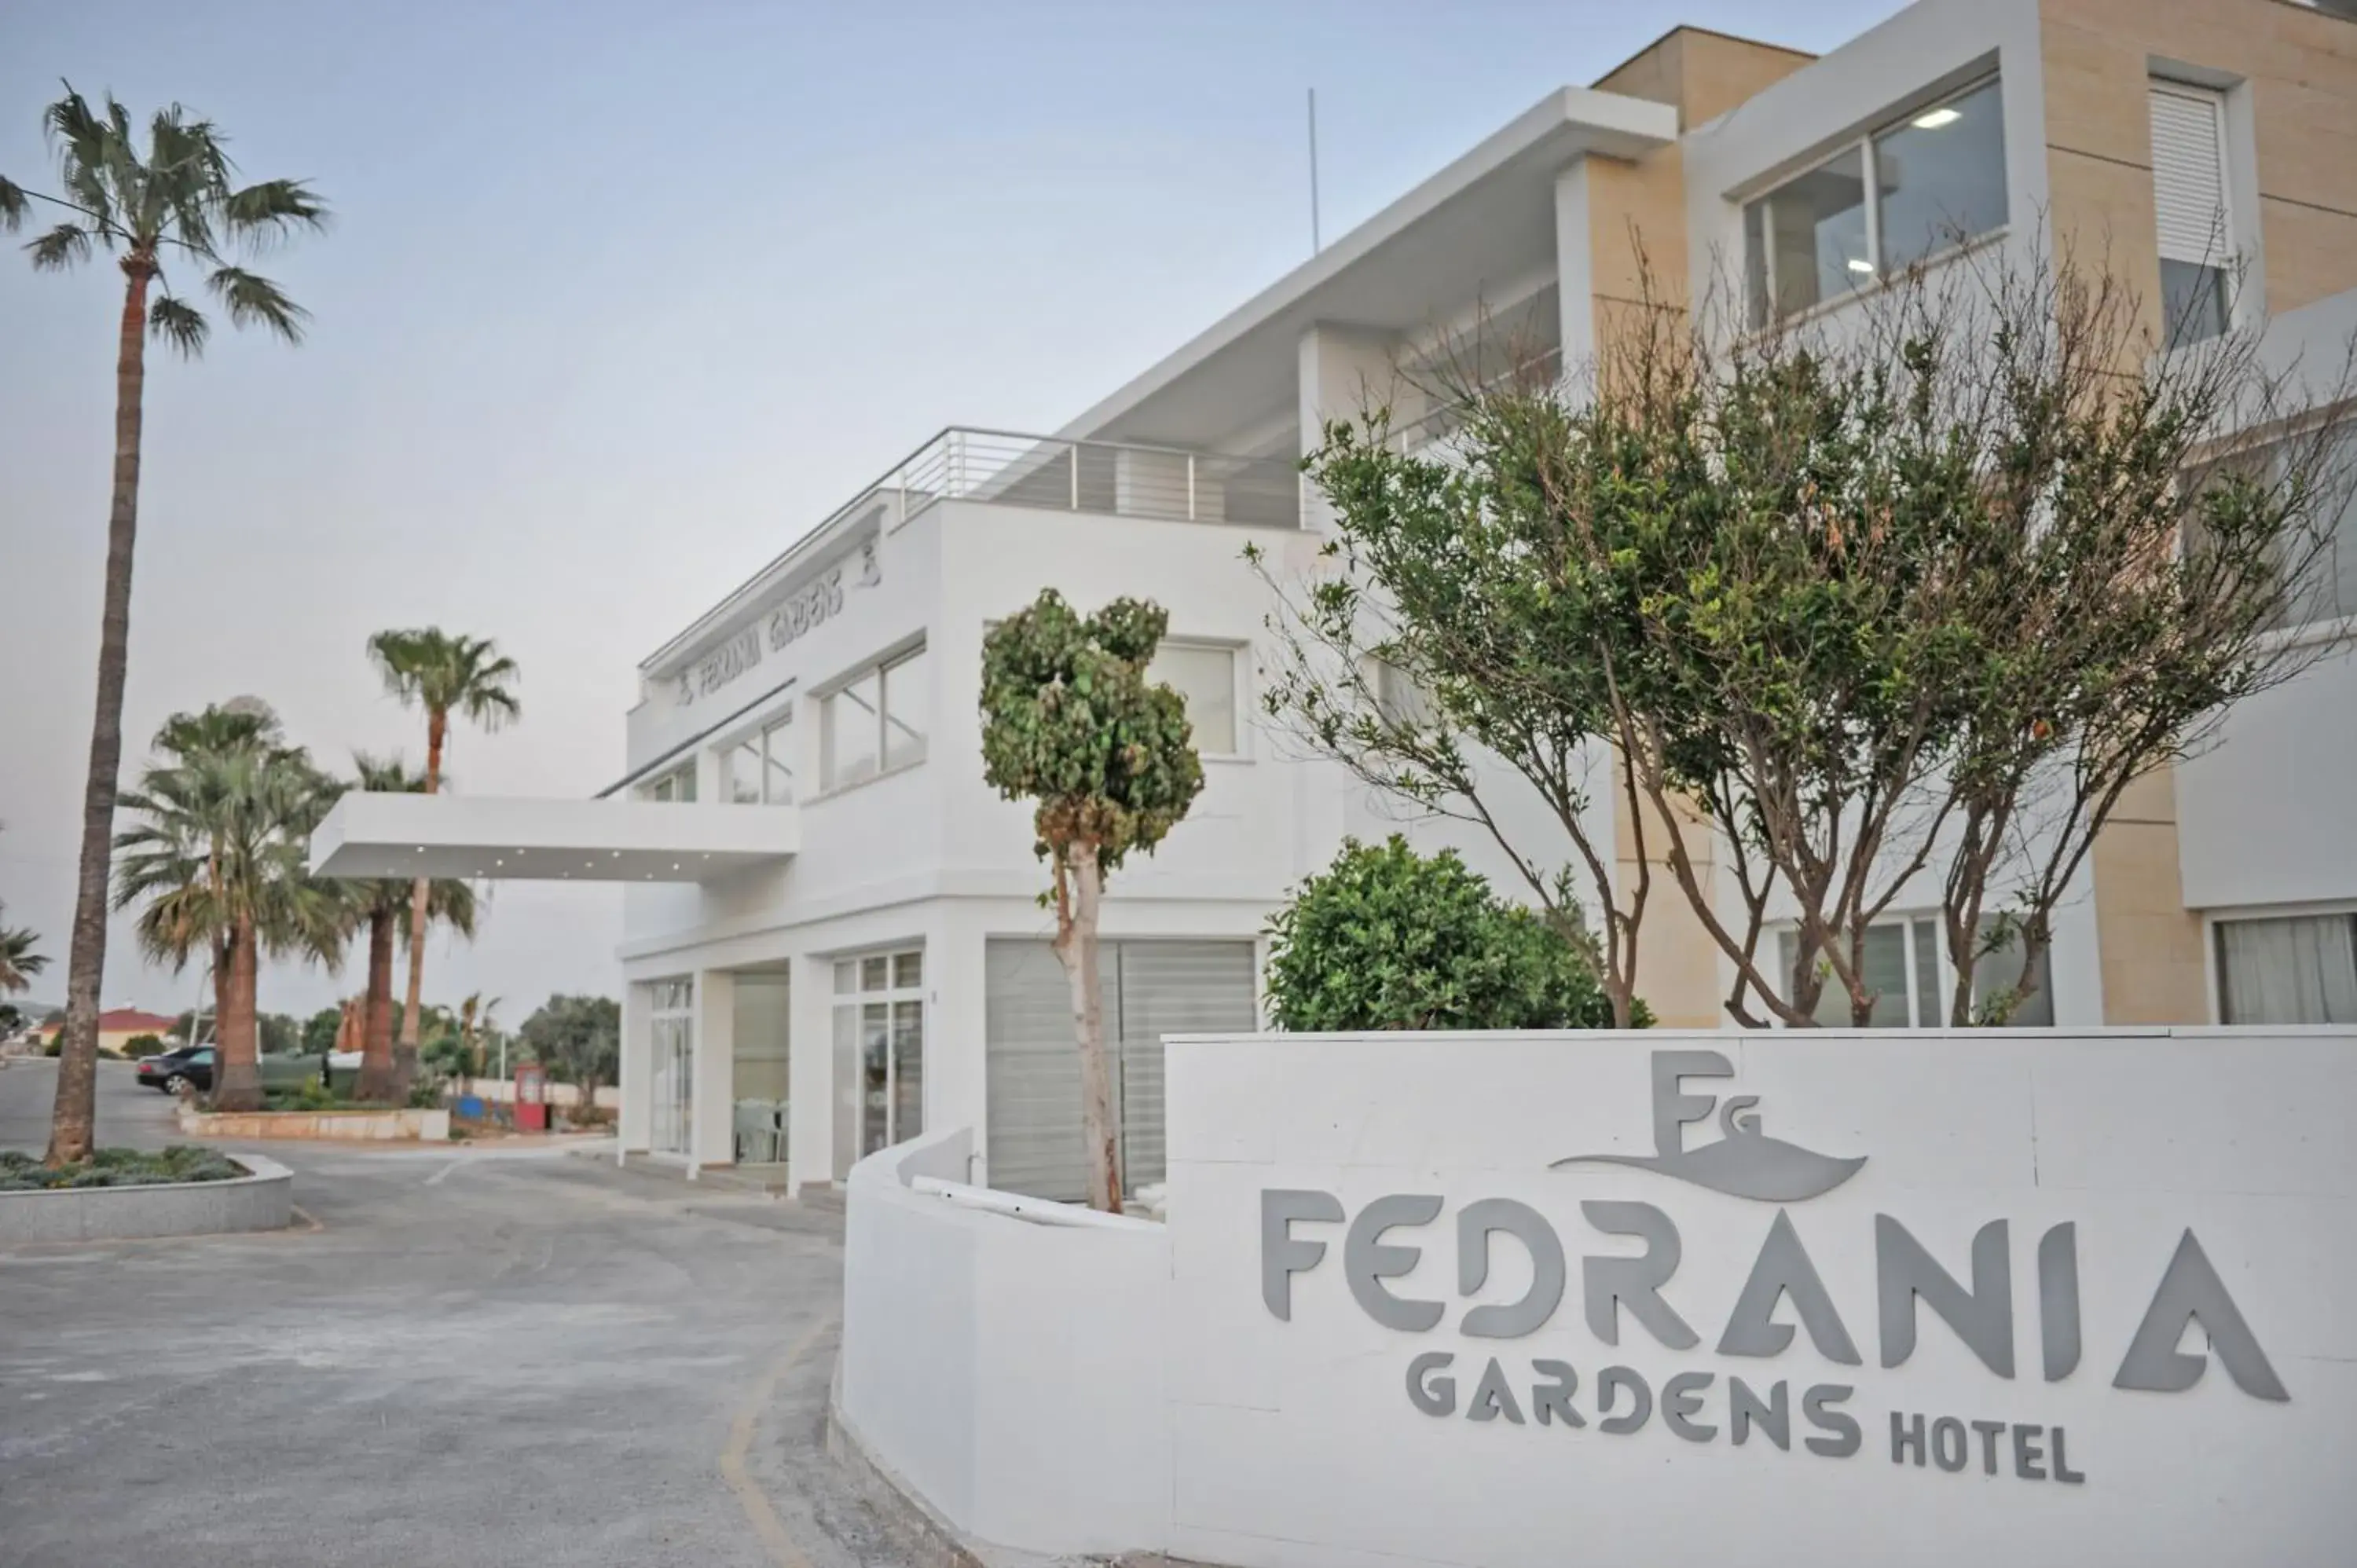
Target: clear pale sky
<point>620,300</point>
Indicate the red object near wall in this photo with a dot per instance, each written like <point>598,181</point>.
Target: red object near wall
<point>531,1098</point>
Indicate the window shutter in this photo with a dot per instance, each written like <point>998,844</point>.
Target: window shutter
<point>2188,177</point>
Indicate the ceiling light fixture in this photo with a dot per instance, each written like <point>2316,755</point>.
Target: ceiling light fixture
<point>1935,119</point>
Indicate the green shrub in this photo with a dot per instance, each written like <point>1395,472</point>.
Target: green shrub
<point>139,1046</point>
<point>55,1045</point>
<point>21,1172</point>
<point>1387,939</point>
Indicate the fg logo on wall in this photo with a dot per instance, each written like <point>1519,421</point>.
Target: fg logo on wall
<point>1618,1291</point>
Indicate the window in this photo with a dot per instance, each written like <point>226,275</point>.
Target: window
<point>760,767</point>
<point>875,722</point>
<point>879,1053</point>
<point>1906,964</point>
<point>1400,700</point>
<point>2188,186</point>
<point>672,1025</point>
<point>1206,677</point>
<point>2297,970</point>
<point>2321,548</point>
<point>1937,181</point>
<point>678,785</point>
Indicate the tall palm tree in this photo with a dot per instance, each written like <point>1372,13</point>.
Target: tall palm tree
<point>178,199</point>
<point>443,673</point>
<point>219,860</point>
<point>382,906</point>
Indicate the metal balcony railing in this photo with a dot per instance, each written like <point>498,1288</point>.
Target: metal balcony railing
<point>1005,468</point>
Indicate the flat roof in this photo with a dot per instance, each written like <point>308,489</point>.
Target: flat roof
<point>1478,222</point>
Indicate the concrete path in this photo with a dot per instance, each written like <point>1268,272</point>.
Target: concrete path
<point>465,1358</point>
<point>128,1115</point>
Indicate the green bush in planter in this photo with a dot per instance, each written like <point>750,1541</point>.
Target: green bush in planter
<point>1387,939</point>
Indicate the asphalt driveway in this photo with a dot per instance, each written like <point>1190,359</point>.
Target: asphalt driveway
<point>460,1358</point>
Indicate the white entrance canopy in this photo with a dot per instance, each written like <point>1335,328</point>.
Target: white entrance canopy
<point>387,835</point>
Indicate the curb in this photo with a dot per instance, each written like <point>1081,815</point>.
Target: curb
<point>936,1544</point>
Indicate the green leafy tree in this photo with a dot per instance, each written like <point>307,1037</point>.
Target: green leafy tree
<point>385,908</point>
<point>217,858</point>
<point>1387,939</point>
<point>319,1031</point>
<point>579,1039</point>
<point>176,201</point>
<point>1910,598</point>
<point>281,1035</point>
<point>12,1018</point>
<point>1072,723</point>
<point>443,673</point>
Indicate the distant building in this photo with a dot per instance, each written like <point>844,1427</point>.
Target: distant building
<point>117,1027</point>
<point>829,909</point>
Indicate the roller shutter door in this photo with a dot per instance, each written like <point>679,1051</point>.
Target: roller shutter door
<point>1033,1069</point>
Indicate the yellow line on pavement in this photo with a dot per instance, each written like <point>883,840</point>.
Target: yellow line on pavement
<point>749,1497</point>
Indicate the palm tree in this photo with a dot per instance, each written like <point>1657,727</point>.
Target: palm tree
<point>219,860</point>
<point>383,906</point>
<point>180,198</point>
<point>429,668</point>
<point>18,962</point>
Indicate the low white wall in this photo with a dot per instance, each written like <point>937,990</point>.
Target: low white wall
<point>1008,1373</point>
<point>1890,1299</point>
<point>501,1090</point>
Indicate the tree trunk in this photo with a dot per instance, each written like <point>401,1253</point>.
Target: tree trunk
<point>378,1081</point>
<point>1076,946</point>
<point>404,1055</point>
<point>73,1119</point>
<point>237,1073</point>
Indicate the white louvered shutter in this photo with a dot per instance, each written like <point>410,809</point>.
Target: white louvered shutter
<point>2188,176</point>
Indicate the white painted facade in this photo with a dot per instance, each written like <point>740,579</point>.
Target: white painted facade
<point>725,958</point>
<point>1070,1390</point>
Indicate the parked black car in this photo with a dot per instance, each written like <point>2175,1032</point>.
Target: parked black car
<point>190,1067</point>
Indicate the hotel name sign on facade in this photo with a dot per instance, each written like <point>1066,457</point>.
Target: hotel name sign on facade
<point>816,600</point>
<point>1746,1163</point>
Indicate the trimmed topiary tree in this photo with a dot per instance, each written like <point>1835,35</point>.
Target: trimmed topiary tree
<point>1387,939</point>
<point>1071,722</point>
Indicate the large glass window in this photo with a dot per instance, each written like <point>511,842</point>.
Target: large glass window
<point>2296,970</point>
<point>1907,967</point>
<point>1206,677</point>
<point>1940,177</point>
<point>1910,190</point>
<point>907,710</point>
<point>2321,550</point>
<point>876,722</point>
<point>1805,242</point>
<point>678,785</point>
<point>879,1053</point>
<point>760,767</point>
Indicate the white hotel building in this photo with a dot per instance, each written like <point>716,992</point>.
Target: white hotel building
<point>833,937</point>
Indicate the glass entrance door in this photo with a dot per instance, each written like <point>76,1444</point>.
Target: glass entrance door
<point>879,1053</point>
<point>673,1017</point>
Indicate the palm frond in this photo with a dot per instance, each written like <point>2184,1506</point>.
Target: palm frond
<point>13,202</point>
<point>174,320</point>
<point>60,248</point>
<point>86,160</point>
<point>267,209</point>
<point>252,298</point>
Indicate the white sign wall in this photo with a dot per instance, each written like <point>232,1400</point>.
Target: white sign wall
<point>1811,1299</point>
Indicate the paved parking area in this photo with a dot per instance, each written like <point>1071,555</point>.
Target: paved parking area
<point>481,1358</point>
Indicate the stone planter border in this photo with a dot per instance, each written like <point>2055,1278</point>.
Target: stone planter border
<point>261,1200</point>
<point>356,1126</point>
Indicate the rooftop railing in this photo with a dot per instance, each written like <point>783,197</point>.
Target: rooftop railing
<point>1005,468</point>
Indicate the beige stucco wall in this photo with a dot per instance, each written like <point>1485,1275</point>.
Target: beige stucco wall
<point>2293,75</point>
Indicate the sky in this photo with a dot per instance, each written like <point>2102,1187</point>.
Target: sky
<point>619,301</point>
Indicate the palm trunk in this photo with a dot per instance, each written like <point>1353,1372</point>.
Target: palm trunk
<point>72,1120</point>
<point>1076,946</point>
<point>405,1058</point>
<point>377,1080</point>
<point>237,1072</point>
